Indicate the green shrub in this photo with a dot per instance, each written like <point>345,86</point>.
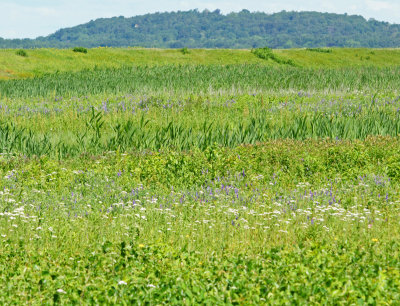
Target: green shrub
<point>320,50</point>
<point>266,54</point>
<point>80,49</point>
<point>393,167</point>
<point>21,53</point>
<point>185,51</point>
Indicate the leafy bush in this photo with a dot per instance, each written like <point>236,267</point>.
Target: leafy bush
<point>185,51</point>
<point>22,53</point>
<point>80,49</point>
<point>393,167</point>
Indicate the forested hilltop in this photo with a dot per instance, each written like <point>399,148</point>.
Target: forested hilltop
<point>194,29</point>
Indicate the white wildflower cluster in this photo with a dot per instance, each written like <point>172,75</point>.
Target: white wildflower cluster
<point>10,175</point>
<point>18,213</point>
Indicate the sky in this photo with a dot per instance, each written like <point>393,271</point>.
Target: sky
<point>33,18</point>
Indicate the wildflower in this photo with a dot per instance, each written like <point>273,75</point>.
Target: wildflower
<point>141,246</point>
<point>61,291</point>
<point>122,283</point>
<point>151,286</point>
<point>375,240</point>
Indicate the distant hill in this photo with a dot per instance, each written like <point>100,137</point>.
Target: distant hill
<point>194,29</point>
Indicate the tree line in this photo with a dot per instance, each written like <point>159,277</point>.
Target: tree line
<point>212,29</point>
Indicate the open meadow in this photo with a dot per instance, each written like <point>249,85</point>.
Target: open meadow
<point>146,176</point>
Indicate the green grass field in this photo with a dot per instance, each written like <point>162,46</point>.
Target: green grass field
<point>42,61</point>
<point>133,176</point>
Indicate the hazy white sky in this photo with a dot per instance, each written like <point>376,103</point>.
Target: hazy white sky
<point>32,18</point>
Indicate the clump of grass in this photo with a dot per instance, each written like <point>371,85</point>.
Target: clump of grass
<point>80,50</point>
<point>319,50</point>
<point>21,52</point>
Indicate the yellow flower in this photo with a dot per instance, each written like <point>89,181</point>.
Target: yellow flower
<point>375,240</point>
<point>141,246</point>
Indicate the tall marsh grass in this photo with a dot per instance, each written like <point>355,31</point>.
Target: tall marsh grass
<point>203,79</point>
<point>143,134</point>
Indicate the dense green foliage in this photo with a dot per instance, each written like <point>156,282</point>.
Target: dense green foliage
<point>21,53</point>
<point>206,29</point>
<point>250,184</point>
<point>80,49</point>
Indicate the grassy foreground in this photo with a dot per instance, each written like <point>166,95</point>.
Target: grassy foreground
<point>245,225</point>
<point>200,184</point>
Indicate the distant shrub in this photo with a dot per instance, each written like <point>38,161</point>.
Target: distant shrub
<point>320,50</point>
<point>80,49</point>
<point>185,51</point>
<point>21,53</point>
<point>266,53</point>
